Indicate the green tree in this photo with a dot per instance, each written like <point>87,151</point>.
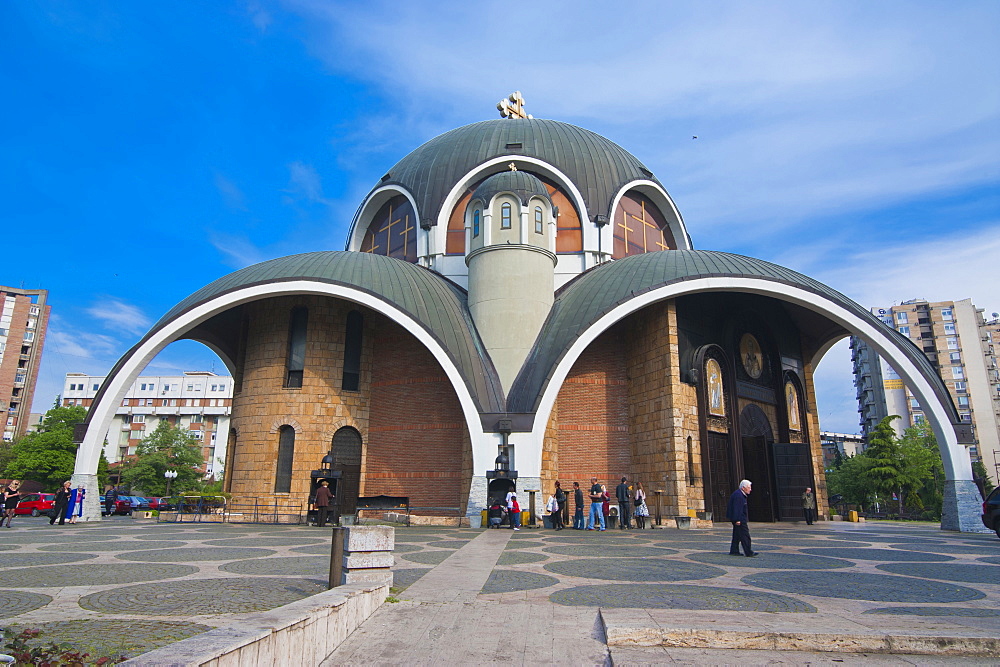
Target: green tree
<point>49,454</point>
<point>921,470</point>
<point>884,474</point>
<point>166,448</point>
<point>850,481</point>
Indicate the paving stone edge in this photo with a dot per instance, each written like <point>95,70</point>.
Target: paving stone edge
<point>624,636</point>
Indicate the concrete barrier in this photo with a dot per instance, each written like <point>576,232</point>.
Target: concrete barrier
<point>304,632</point>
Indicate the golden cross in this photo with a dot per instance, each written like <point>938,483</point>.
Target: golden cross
<point>513,167</point>
<point>624,225</point>
<point>404,232</point>
<point>372,247</point>
<point>512,106</point>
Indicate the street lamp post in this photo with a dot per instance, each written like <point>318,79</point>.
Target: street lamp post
<point>170,475</point>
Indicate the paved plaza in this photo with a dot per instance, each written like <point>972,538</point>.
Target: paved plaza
<point>126,586</point>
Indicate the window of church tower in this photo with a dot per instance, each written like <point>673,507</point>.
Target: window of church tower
<point>351,379</point>
<point>639,227</point>
<point>392,231</point>
<point>296,362</point>
<point>286,454</point>
<point>538,220</point>
<point>505,216</point>
<point>475,223</point>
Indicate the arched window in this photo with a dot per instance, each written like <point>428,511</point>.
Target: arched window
<point>538,220</point>
<point>351,379</point>
<point>505,216</point>
<point>475,223</point>
<point>286,454</point>
<point>296,347</point>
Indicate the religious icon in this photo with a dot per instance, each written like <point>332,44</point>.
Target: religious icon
<point>792,402</point>
<point>751,356</point>
<point>713,375</point>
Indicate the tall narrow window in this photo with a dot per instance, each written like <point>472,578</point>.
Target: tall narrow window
<point>538,220</point>
<point>352,352</point>
<point>505,216</point>
<point>286,453</point>
<point>475,223</point>
<point>296,347</point>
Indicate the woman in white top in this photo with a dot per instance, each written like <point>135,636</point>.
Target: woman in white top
<point>641,511</point>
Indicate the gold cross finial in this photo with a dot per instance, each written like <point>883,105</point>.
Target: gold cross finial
<point>513,106</point>
<point>513,167</point>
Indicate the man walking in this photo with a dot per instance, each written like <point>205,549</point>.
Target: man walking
<point>110,500</point>
<point>578,500</point>
<point>624,496</point>
<point>737,514</point>
<point>596,505</point>
<point>322,502</point>
<point>809,505</point>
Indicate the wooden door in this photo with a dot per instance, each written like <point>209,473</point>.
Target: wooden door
<point>757,469</point>
<point>718,476</point>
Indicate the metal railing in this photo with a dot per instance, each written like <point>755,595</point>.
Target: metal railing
<point>219,509</point>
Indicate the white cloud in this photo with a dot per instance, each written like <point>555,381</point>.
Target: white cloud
<point>231,193</point>
<point>121,316</point>
<point>81,345</point>
<point>237,251</point>
<point>305,182</point>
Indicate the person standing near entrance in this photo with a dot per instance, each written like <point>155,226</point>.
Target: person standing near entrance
<point>596,505</point>
<point>557,518</point>
<point>110,500</point>
<point>11,496</point>
<point>514,509</point>
<point>578,501</point>
<point>738,514</point>
<point>322,502</point>
<point>809,505</point>
<point>624,495</point>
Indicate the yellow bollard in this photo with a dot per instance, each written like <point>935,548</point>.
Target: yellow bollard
<point>852,515</point>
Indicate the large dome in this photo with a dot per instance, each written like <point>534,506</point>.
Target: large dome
<point>597,166</point>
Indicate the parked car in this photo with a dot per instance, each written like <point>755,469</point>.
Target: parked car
<point>36,504</point>
<point>160,504</point>
<point>137,502</point>
<point>122,506</point>
<point>991,511</point>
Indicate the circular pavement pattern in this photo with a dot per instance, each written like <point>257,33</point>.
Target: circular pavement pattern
<point>878,554</point>
<point>875,537</point>
<point>508,581</point>
<point>428,557</point>
<point>410,537</point>
<point>88,574</point>
<point>166,537</point>
<point>964,572</point>
<point>862,586</point>
<point>109,545</point>
<point>202,596</point>
<point>288,566</point>
<point>772,561</point>
<point>940,548</point>
<point>937,611</point>
<point>8,547</point>
<point>677,596</point>
<point>520,558</point>
<point>51,537</point>
<point>264,542</point>
<point>592,537</point>
<point>13,603</point>
<point>524,544</point>
<point>990,559</point>
<point>719,547</point>
<point>449,544</point>
<point>634,569</point>
<point>608,550</point>
<point>25,559</point>
<point>113,638</point>
<point>195,554</point>
<point>402,579</point>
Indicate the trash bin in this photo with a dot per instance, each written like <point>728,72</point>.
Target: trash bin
<point>852,515</point>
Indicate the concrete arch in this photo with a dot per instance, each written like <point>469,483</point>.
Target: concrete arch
<point>960,505</point>
<point>103,410</point>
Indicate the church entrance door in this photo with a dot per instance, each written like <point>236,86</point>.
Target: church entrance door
<point>720,480</point>
<point>757,469</point>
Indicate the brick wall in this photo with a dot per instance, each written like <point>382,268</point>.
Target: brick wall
<point>417,443</point>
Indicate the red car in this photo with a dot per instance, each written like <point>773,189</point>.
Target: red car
<point>36,504</point>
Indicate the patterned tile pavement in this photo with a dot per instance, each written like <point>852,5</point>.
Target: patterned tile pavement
<point>121,579</point>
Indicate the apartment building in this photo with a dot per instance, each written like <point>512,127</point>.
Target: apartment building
<point>961,345</point>
<point>23,320</point>
<point>199,402</point>
<point>848,444</point>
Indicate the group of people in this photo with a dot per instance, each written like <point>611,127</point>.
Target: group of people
<point>631,504</point>
<point>68,503</point>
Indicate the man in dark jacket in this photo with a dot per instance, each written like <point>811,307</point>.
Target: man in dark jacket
<point>737,514</point>
<point>624,496</point>
<point>578,499</point>
<point>322,502</point>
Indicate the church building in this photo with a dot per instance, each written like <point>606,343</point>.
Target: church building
<point>520,302</point>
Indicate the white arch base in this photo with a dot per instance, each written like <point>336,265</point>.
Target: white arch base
<point>962,507</point>
<point>91,500</point>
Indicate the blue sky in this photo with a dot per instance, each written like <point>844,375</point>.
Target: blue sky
<point>150,148</point>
